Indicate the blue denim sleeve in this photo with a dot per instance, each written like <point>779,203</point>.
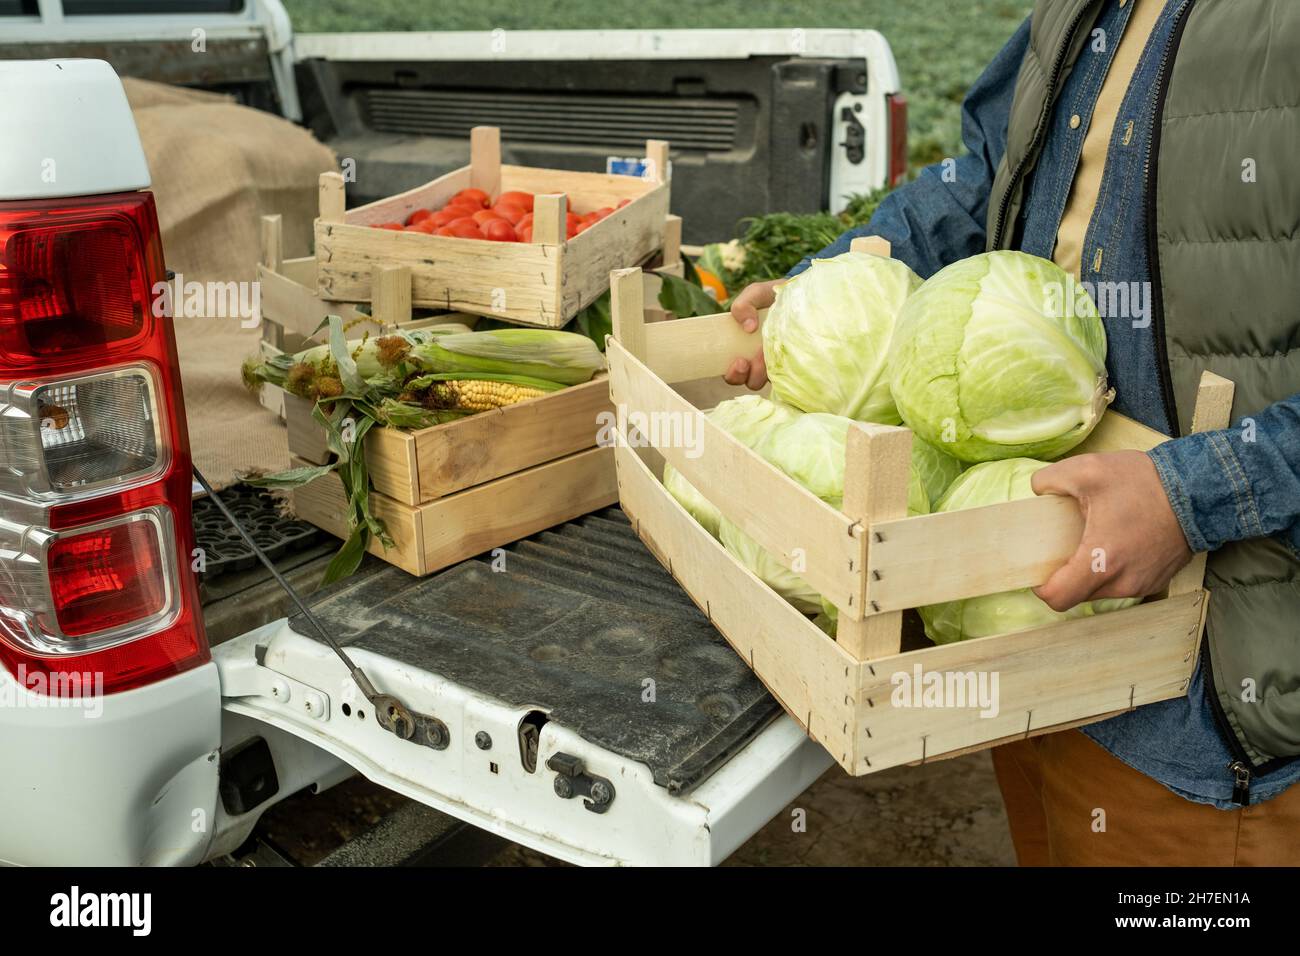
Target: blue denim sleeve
<point>939,217</point>
<point>1238,483</point>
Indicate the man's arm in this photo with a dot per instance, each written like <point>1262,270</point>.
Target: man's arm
<point>939,217</point>
<point>1239,483</point>
<point>1147,513</point>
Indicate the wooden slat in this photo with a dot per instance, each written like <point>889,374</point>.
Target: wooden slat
<point>305,436</point>
<point>814,679</point>
<point>323,503</point>
<point>700,347</point>
<point>438,534</point>
<point>656,154</point>
<point>1067,673</point>
<point>485,446</point>
<point>958,554</point>
<point>877,465</point>
<point>392,464</point>
<point>671,251</point>
<point>875,245</point>
<point>272,242</point>
<point>485,159</point>
<point>778,513</point>
<point>507,509</point>
<point>1213,411</point>
<point>549,218</point>
<point>432,195</point>
<point>296,308</point>
<point>587,192</point>
<point>391,295</point>
<point>1115,432</point>
<point>333,198</point>
<point>627,309</point>
<point>626,237</point>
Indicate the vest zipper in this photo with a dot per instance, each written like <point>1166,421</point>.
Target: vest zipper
<point>1241,786</point>
<point>1149,169</point>
<point>1039,130</point>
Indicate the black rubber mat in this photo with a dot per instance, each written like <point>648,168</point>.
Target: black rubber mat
<point>577,621</point>
<point>261,516</point>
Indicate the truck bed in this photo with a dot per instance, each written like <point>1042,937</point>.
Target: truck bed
<point>574,624</point>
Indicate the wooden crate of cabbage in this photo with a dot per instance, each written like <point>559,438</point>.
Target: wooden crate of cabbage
<point>860,694</point>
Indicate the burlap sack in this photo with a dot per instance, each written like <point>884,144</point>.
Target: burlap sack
<point>217,168</point>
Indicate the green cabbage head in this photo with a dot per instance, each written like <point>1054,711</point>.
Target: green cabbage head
<point>747,419</point>
<point>935,469</point>
<point>992,483</point>
<point>810,449</point>
<point>1001,355</point>
<point>826,339</point>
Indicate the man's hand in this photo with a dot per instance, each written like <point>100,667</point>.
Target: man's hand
<point>1132,543</point>
<point>744,309</point>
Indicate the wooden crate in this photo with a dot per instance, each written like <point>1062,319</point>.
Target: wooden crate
<point>873,562</point>
<point>544,283</point>
<point>437,534</point>
<point>415,467</point>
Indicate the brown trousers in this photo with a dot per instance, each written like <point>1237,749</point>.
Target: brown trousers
<point>1070,803</point>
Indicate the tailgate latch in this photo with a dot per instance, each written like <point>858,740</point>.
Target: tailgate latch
<point>572,780</point>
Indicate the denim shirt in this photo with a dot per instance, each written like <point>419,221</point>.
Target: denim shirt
<point>1220,490</point>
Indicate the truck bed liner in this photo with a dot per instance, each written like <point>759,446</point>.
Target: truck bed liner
<point>575,622</point>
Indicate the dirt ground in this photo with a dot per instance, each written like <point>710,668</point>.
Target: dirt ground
<point>946,813</point>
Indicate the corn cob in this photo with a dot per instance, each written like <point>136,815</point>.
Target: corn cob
<point>479,395</point>
<point>564,358</point>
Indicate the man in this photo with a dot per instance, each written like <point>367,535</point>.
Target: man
<point>1148,146</point>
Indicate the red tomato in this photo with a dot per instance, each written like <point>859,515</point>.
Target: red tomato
<point>444,231</point>
<point>418,216</point>
<point>527,220</point>
<point>572,219</point>
<point>498,230</point>
<point>390,225</point>
<point>602,212</point>
<point>478,196</point>
<point>525,233</point>
<point>517,198</point>
<point>484,216</point>
<point>510,212</point>
<point>462,220</point>
<point>465,229</point>
<point>426,226</point>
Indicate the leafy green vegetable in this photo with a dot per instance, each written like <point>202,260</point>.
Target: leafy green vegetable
<point>810,449</point>
<point>935,469</point>
<point>747,418</point>
<point>773,244</point>
<point>827,337</point>
<point>1001,355</point>
<point>987,484</point>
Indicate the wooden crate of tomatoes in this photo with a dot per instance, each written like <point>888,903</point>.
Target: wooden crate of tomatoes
<point>527,245</point>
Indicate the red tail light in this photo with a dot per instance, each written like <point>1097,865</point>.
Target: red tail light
<point>897,139</point>
<point>95,535</point>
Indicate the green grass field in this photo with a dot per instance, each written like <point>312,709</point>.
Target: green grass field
<point>940,45</point>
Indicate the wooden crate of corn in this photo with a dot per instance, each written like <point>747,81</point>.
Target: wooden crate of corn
<point>445,442</point>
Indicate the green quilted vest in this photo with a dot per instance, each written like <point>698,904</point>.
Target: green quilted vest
<point>1228,286</point>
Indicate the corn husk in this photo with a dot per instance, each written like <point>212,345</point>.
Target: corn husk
<point>564,358</point>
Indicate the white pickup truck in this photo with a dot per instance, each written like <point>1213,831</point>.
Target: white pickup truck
<point>579,705</point>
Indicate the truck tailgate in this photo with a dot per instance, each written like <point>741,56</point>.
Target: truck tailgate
<point>573,650</point>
